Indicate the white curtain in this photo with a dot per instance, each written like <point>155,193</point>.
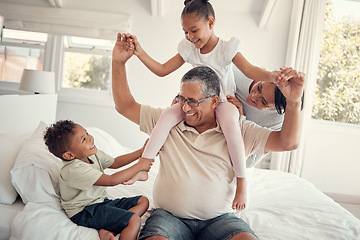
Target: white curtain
<point>303,55</point>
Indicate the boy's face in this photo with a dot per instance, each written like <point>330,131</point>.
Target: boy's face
<point>81,145</point>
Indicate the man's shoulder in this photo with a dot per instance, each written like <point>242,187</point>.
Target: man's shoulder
<point>149,117</point>
<point>149,111</point>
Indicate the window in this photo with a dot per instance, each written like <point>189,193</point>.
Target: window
<point>337,94</point>
<point>20,50</point>
<point>86,63</point>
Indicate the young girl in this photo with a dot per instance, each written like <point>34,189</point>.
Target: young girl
<point>202,47</point>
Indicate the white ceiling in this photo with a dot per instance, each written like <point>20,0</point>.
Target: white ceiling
<point>263,8</point>
<point>254,6</point>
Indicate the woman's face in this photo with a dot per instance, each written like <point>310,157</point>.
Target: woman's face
<point>262,96</point>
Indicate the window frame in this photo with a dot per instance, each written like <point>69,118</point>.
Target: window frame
<point>78,95</point>
<point>11,85</point>
<point>54,51</point>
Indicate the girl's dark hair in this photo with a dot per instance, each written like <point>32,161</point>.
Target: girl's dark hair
<point>201,7</point>
<point>56,137</point>
<point>280,101</point>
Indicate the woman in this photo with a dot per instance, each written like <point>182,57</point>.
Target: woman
<point>260,102</point>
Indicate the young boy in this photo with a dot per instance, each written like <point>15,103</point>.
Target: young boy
<point>83,182</point>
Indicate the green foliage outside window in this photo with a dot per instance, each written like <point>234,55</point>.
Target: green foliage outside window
<point>86,71</point>
<point>337,94</point>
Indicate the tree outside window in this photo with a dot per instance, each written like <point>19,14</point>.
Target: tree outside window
<point>337,94</point>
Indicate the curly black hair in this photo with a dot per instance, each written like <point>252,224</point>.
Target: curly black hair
<point>201,7</point>
<point>56,137</point>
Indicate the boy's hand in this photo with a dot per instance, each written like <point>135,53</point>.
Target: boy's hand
<point>145,164</point>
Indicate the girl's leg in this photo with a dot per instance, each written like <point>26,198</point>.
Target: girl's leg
<point>228,117</point>
<point>168,119</point>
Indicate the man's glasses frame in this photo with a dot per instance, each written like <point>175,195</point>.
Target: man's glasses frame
<point>190,102</point>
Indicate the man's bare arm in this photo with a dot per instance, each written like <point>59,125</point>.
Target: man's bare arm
<point>125,103</point>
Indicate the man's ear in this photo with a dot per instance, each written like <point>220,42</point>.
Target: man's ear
<point>211,22</point>
<point>68,155</point>
<point>214,101</point>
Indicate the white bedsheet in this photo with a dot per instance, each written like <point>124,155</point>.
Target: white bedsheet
<point>282,206</point>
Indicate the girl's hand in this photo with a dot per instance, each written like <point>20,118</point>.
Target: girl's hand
<point>138,49</point>
<point>234,100</point>
<point>276,76</point>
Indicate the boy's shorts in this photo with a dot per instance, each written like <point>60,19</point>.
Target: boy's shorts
<point>163,223</point>
<point>112,215</point>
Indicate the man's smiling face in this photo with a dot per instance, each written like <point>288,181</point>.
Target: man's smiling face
<point>202,117</point>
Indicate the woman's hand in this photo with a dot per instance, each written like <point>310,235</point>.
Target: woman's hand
<point>234,100</point>
<point>291,84</point>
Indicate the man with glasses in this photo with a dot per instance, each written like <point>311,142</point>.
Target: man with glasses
<point>193,191</point>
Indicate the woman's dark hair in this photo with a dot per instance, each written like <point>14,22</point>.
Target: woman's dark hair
<point>201,7</point>
<point>56,137</point>
<point>280,101</point>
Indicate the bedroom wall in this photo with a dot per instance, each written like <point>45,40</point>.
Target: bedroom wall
<point>160,37</point>
<point>332,161</point>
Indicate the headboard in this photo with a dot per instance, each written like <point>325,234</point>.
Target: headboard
<point>21,114</point>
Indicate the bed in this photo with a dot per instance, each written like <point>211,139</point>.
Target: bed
<point>282,205</point>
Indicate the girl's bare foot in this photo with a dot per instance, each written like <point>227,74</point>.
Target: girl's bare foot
<point>106,235</point>
<point>140,176</point>
<point>239,202</point>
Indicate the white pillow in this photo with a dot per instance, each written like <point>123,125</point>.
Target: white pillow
<point>39,221</point>
<point>35,174</point>
<point>9,149</point>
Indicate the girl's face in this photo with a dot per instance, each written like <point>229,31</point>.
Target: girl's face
<point>262,96</point>
<point>198,30</point>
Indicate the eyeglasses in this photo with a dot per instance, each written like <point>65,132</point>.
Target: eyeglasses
<point>190,102</point>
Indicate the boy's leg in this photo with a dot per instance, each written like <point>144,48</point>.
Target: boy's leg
<point>106,235</point>
<point>107,215</point>
<point>141,206</point>
<point>132,229</point>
